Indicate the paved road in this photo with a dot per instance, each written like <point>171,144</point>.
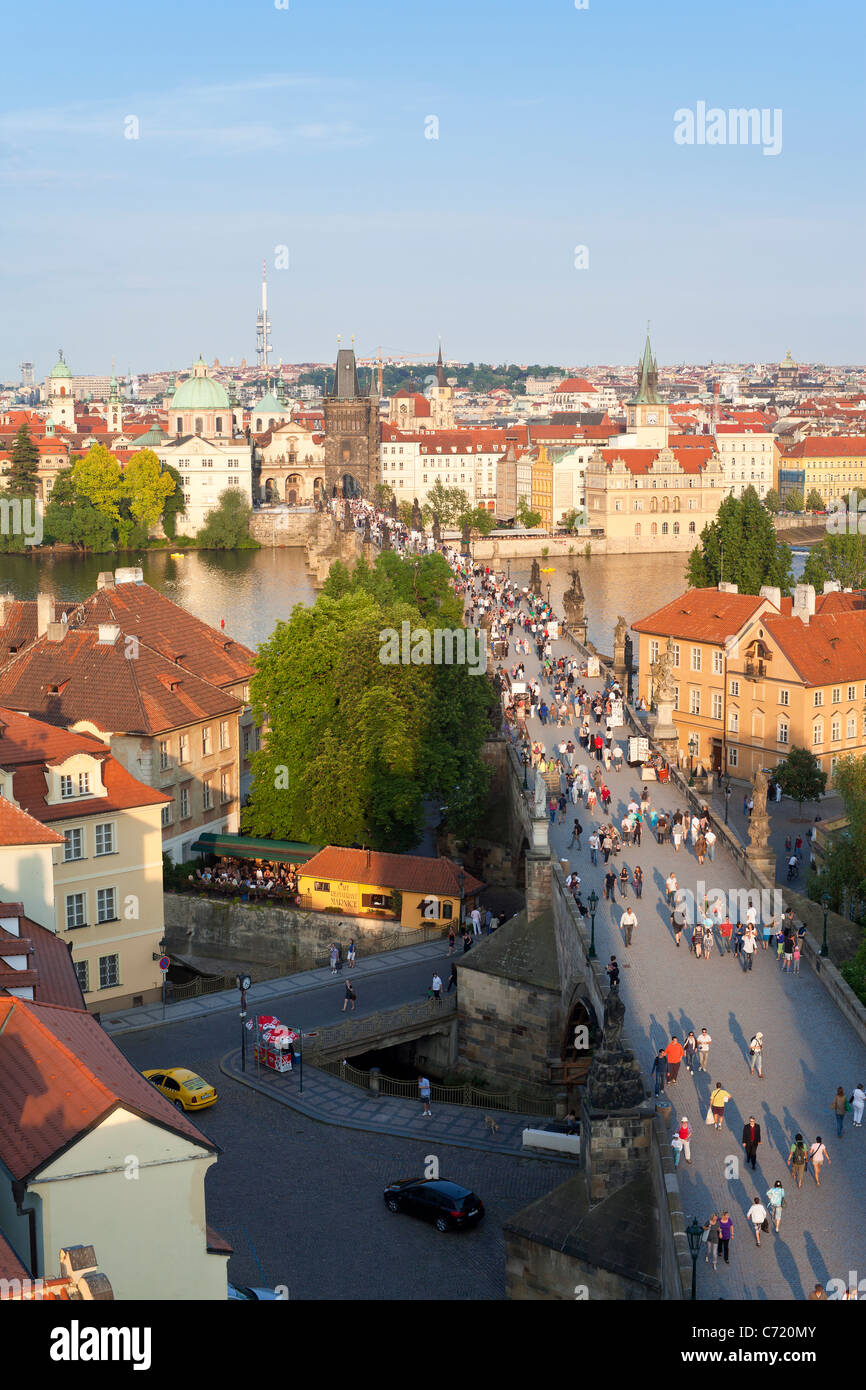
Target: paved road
<point>810,1050</point>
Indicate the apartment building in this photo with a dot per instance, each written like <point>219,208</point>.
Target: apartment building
<point>411,463</point>
<point>654,498</point>
<point>832,464</point>
<point>748,457</point>
<point>756,674</point>
<point>106,870</point>
<point>165,692</point>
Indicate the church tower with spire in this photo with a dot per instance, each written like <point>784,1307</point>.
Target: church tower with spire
<point>114,407</point>
<point>647,413</point>
<point>441,399</point>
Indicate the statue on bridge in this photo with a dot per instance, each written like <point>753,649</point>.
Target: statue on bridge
<point>393,507</point>
<point>614,1080</point>
<point>348,523</point>
<point>535,579</point>
<point>417,520</point>
<point>539,795</point>
<point>437,529</point>
<point>664,675</point>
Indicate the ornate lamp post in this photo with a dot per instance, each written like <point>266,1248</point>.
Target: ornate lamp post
<point>694,1231</point>
<point>525,761</point>
<point>244,983</point>
<point>825,904</point>
<point>694,748</point>
<point>592,903</point>
<point>548,593</point>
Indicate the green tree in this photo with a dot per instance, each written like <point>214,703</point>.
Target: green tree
<point>740,546</point>
<point>227,526</point>
<point>801,776</point>
<point>794,501</point>
<point>71,519</point>
<point>174,503</point>
<point>841,558</point>
<point>445,502</point>
<point>477,519</point>
<point>814,502</point>
<point>404,513</point>
<point>354,744</point>
<point>382,494</point>
<point>23,473</point>
<point>147,488</point>
<point>525,516</point>
<point>98,479</point>
<point>772,501</point>
<point>843,869</point>
<point>572,519</point>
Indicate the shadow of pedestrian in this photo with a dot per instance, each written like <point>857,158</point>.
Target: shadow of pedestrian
<point>816,1259</point>
<point>775,1131</point>
<point>787,1264</point>
<point>738,1035</point>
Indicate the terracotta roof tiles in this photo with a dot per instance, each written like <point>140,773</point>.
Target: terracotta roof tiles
<point>408,873</point>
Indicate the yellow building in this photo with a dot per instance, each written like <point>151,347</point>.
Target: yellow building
<point>832,464</point>
<point>542,486</point>
<point>364,883</point>
<point>755,675</point>
<point>106,898</point>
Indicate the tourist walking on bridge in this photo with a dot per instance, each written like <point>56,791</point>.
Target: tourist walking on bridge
<point>719,1098</point>
<point>817,1156</point>
<point>798,1158</point>
<point>756,1055</point>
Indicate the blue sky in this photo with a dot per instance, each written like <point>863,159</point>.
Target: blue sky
<point>305,127</point>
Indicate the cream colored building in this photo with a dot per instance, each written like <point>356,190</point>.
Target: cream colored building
<point>748,458</point>
<point>653,499</point>
<point>291,465</point>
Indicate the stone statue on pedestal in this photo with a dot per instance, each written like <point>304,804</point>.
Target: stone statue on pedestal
<point>348,523</point>
<point>464,539</point>
<point>393,507</point>
<point>758,850</point>
<point>664,675</point>
<point>417,522</point>
<point>367,536</point>
<point>619,632</point>
<point>535,579</point>
<point>437,529</point>
<point>614,1081</point>
<point>540,795</point>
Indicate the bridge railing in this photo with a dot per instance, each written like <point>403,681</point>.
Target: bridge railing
<point>472,1097</point>
<point>373,1026</point>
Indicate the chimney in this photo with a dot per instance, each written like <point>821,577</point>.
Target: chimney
<point>55,632</point>
<point>773,594</point>
<point>804,602</point>
<point>368,860</point>
<point>105,580</point>
<point>129,574</point>
<point>44,613</point>
<point>832,586</point>
<point>6,602</point>
<point>108,634</point>
<point>726,588</point>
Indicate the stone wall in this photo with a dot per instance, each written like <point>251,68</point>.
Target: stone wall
<point>286,526</point>
<point>536,1272</point>
<point>507,1029</point>
<point>265,932</point>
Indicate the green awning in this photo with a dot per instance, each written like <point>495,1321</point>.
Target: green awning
<point>247,847</point>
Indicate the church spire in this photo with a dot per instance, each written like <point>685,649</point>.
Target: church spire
<point>440,369</point>
<point>647,375</point>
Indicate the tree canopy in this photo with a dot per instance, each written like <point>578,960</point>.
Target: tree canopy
<point>837,557</point>
<point>353,746</point>
<point>227,526</point>
<point>740,547</point>
<point>22,476</point>
<point>801,776</point>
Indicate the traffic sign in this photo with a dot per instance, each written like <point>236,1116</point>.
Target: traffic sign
<point>164,962</point>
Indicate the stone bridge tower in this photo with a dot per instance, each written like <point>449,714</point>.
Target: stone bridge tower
<point>351,432</point>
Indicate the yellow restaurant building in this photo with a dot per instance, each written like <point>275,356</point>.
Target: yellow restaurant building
<point>421,892</point>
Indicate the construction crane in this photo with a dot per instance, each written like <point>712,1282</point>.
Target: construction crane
<point>392,360</point>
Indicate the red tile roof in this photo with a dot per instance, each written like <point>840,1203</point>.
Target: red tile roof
<point>96,681</point>
<point>60,1076</point>
<point>19,828</point>
<point>575,386</point>
<point>832,647</point>
<point>829,446</point>
<point>691,460</point>
<point>704,615</point>
<point>407,872</point>
<point>10,1265</point>
<point>49,964</point>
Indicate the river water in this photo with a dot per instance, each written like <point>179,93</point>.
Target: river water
<point>252,590</point>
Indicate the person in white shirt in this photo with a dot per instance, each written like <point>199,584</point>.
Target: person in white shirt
<point>749,946</point>
<point>628,922</point>
<point>710,837</point>
<point>704,1041</point>
<point>671,886</point>
<point>757,1215</point>
<point>475,916</point>
<point>817,1155</point>
<point>751,916</point>
<point>436,987</point>
<point>858,1100</point>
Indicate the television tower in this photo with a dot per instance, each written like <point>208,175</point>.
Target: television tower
<point>26,370</point>
<point>263,324</point>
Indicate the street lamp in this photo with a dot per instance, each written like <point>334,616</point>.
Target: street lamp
<point>548,593</point>
<point>693,1235</point>
<point>244,983</point>
<point>694,749</point>
<point>592,902</point>
<point>461,879</point>
<point>508,563</point>
<point>825,904</point>
<point>727,799</point>
<point>525,766</point>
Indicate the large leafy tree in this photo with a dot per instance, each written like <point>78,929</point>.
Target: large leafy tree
<point>72,519</point>
<point>794,501</point>
<point>445,502</point>
<point>24,469</point>
<point>801,776</point>
<point>98,479</point>
<point>772,501</point>
<point>525,516</point>
<point>740,547</point>
<point>174,503</point>
<point>227,526</point>
<point>837,557</point>
<point>814,502</point>
<point>146,488</point>
<point>353,746</point>
<point>843,870</point>
<point>477,519</point>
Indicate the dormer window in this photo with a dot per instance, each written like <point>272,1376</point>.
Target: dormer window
<point>66,787</point>
<point>83,783</point>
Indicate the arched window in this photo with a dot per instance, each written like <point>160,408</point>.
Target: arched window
<point>654,529</point>
<point>637,528</point>
<point>270,424</point>
<point>219,424</point>
<point>654,504</point>
<point>664,528</point>
<point>180,424</point>
<point>676,504</point>
<point>676,528</point>
<point>665,503</point>
<point>259,425</point>
<point>199,425</point>
<point>691,528</point>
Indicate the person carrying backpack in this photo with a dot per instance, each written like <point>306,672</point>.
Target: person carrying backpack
<point>797,1159</point>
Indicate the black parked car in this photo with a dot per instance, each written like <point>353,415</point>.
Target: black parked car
<point>449,1206</point>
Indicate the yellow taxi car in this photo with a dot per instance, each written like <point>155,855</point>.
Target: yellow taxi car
<point>183,1088</point>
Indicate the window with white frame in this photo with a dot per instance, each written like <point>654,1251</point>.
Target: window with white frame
<point>183,749</point>
<point>717,705</point>
<point>82,971</point>
<point>733,722</point>
<point>783,697</point>
<point>782,731</point>
<point>675,653</point>
<point>835,730</point>
<point>733,757</point>
<point>106,904</point>
<point>225,787</point>
<point>206,794</point>
<point>164,754</point>
<point>734,688</point>
<point>166,814</point>
<point>818,698</point>
<point>837,694</point>
<point>694,701</point>
<point>224,734</point>
<point>184,802</point>
<point>66,786</point>
<point>109,971</point>
<point>75,911</point>
<point>653,651</point>
<point>73,844</point>
<point>817,732</point>
<point>851,728</point>
<point>83,783</point>
<point>852,692</point>
<point>676,697</point>
<point>206,741</point>
<point>105,838</point>
<point>696,658</point>
<point>718,663</point>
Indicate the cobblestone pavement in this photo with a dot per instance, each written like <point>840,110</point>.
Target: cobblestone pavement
<point>301,1202</point>
<point>809,1050</point>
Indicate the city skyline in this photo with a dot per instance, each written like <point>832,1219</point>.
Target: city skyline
<point>137,219</point>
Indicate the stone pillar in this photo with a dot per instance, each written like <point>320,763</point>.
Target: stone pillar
<point>615,1147</point>
<point>620,668</point>
<point>758,851</point>
<point>539,884</point>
